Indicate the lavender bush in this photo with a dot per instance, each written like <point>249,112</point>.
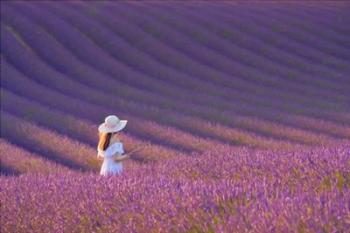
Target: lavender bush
<point>240,190</point>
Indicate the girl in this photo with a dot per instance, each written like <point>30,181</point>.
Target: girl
<point>109,147</point>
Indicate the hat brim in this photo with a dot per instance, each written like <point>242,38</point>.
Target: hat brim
<point>121,125</point>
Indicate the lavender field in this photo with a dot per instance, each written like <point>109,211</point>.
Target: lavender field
<point>243,109</point>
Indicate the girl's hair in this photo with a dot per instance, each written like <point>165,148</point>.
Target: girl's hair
<point>104,140</point>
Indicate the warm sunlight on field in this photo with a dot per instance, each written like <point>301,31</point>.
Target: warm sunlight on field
<point>243,109</point>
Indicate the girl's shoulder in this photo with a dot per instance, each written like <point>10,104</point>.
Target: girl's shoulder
<point>116,146</point>
<point>118,143</point>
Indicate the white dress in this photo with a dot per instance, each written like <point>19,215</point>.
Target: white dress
<point>109,165</point>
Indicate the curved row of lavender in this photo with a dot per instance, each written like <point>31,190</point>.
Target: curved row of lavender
<point>244,110</point>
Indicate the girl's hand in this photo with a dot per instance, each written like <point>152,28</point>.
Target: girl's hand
<point>118,157</point>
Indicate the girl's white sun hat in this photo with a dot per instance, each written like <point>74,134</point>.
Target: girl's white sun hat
<point>112,124</point>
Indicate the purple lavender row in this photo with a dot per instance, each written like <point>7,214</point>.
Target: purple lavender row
<point>195,126</point>
<point>280,41</point>
<point>49,8</point>
<point>70,18</point>
<point>327,26</point>
<point>83,110</point>
<point>138,126</point>
<point>80,88</point>
<point>251,56</point>
<point>49,144</point>
<point>135,36</point>
<point>256,40</point>
<point>67,80</point>
<point>302,53</point>
<point>310,13</point>
<point>58,64</point>
<point>344,102</point>
<point>164,29</point>
<point>211,58</point>
<point>86,132</point>
<point>248,127</point>
<point>16,160</point>
<point>299,33</point>
<point>66,68</point>
<point>74,17</point>
<point>172,118</point>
